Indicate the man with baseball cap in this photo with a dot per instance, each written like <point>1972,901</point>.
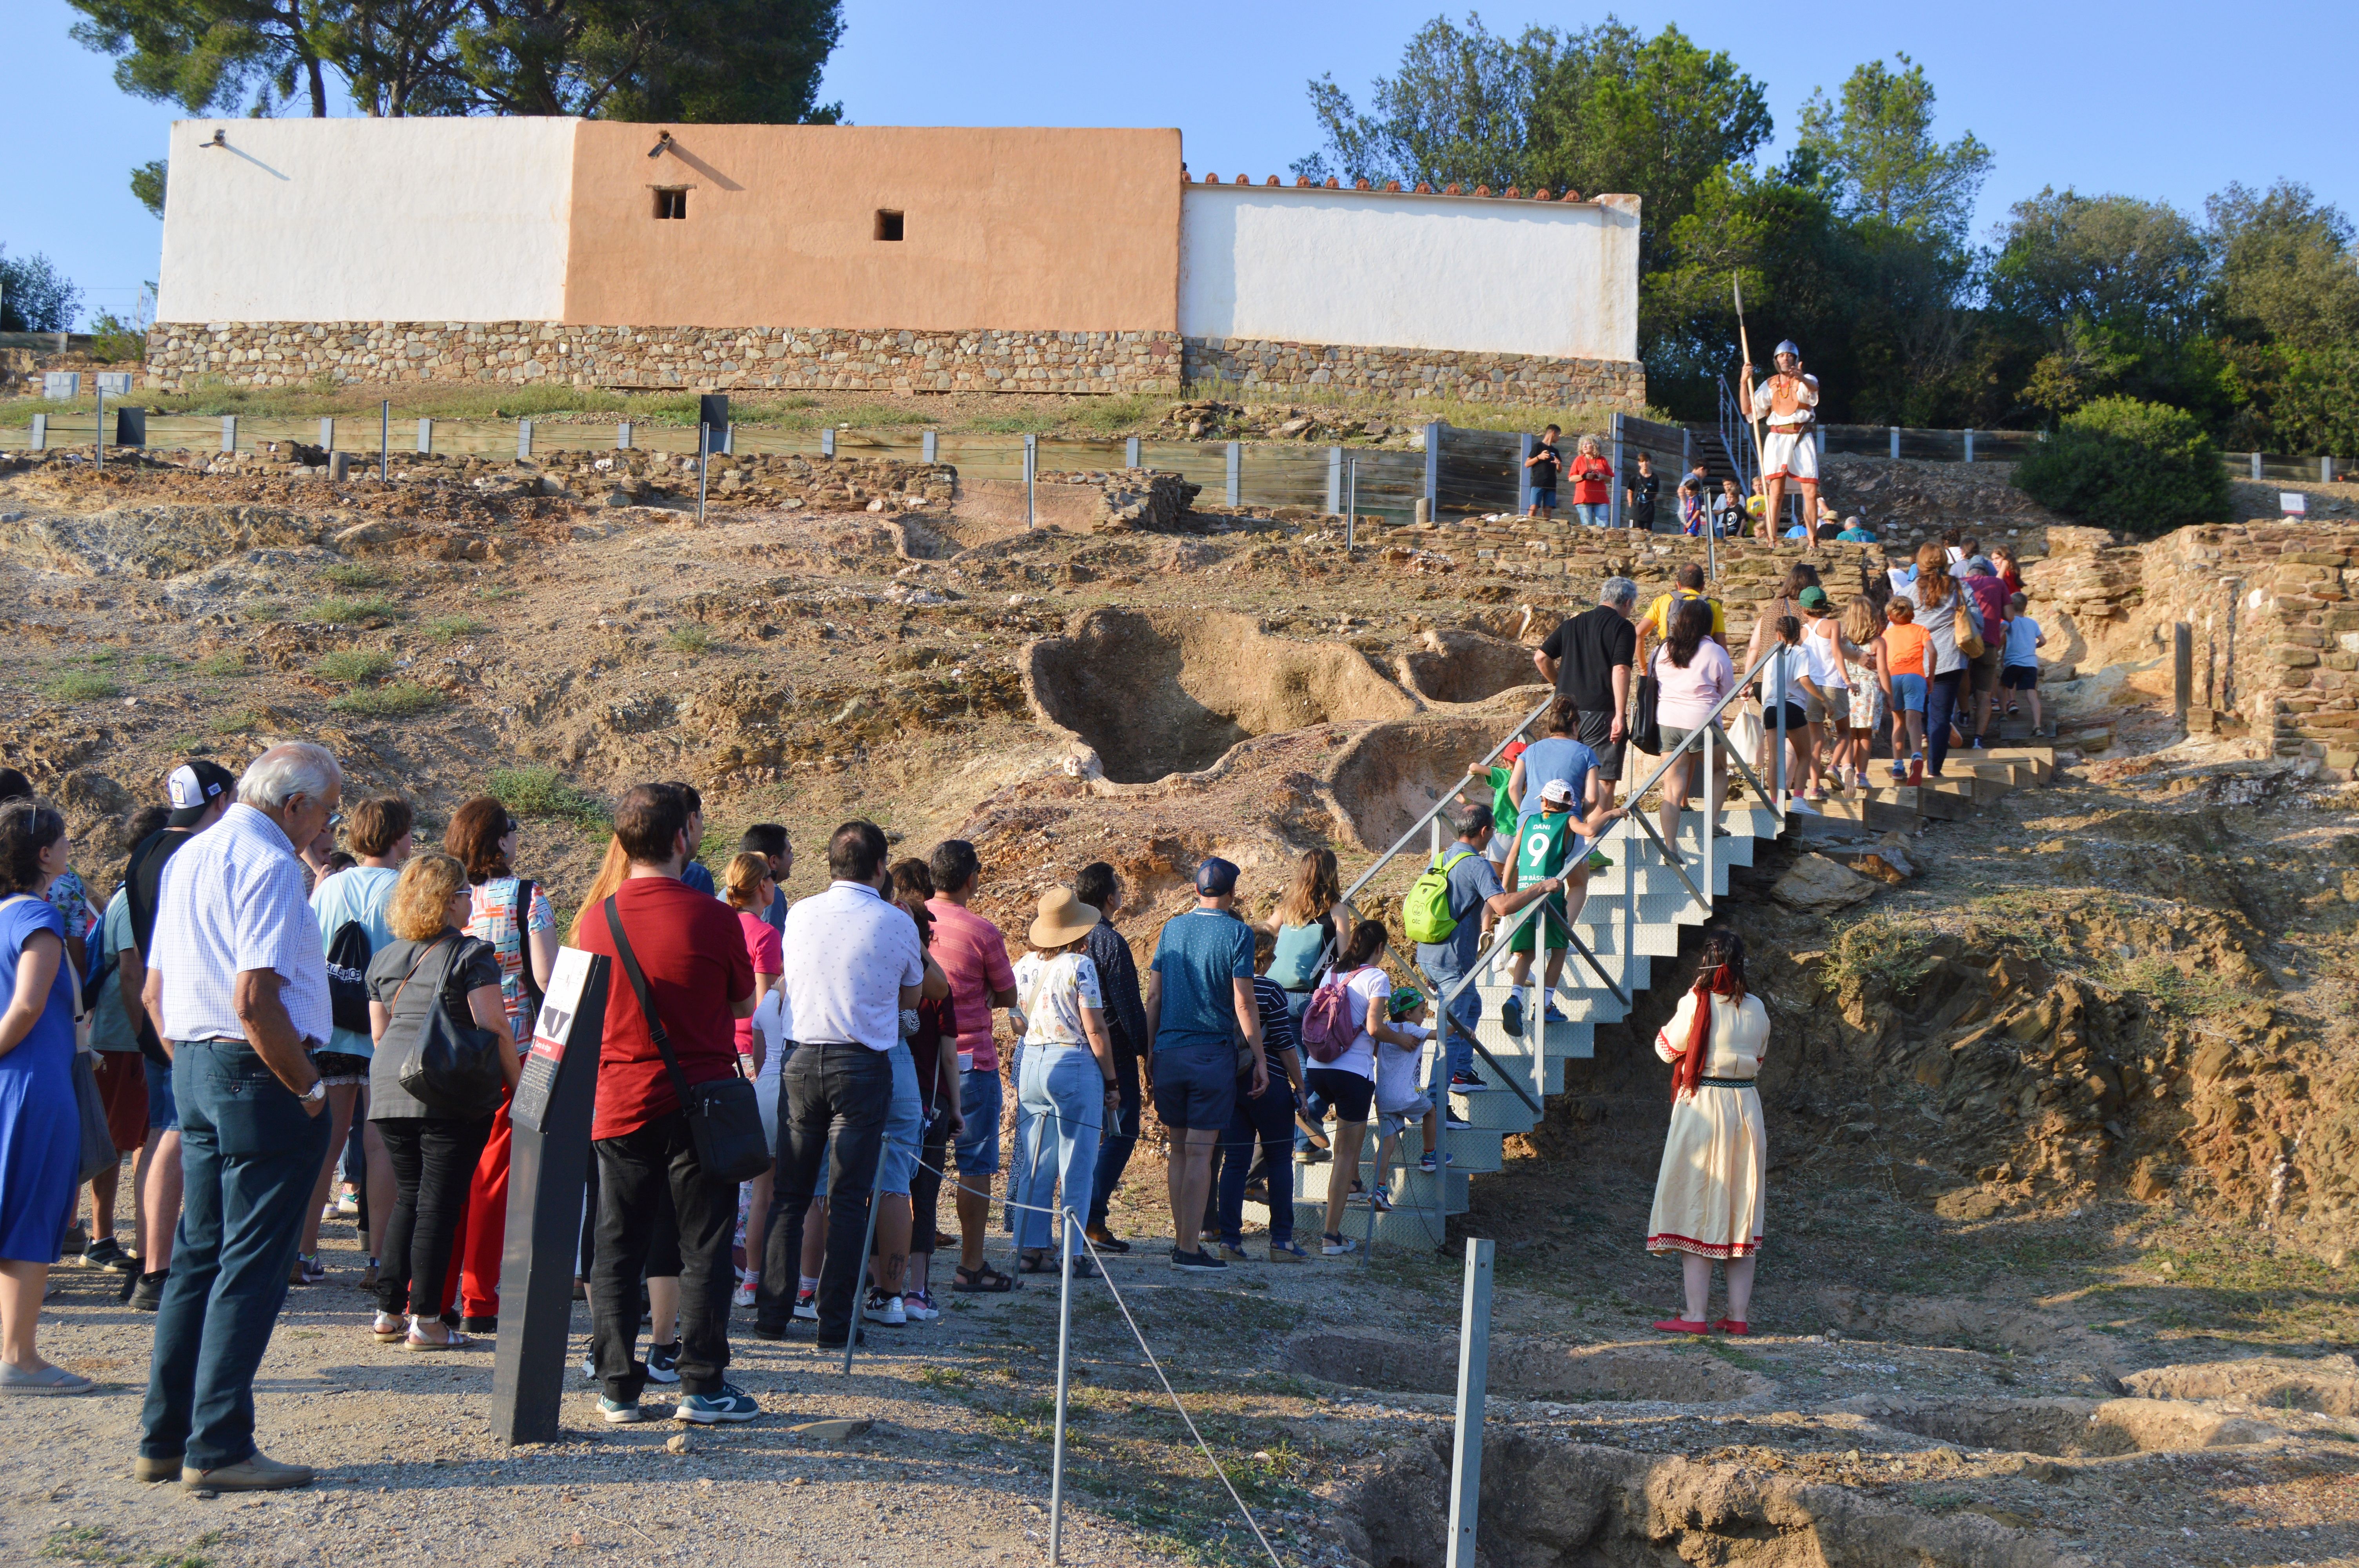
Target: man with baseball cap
<point>1199,997</point>
<point>200,790</point>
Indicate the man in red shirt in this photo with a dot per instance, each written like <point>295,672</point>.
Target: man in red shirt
<point>974,953</point>
<point>700,981</point>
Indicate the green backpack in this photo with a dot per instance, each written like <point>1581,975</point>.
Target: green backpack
<point>1425,914</point>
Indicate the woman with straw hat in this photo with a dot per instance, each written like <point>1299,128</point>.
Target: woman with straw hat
<point>1066,1085</point>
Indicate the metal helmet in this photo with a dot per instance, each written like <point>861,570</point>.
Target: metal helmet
<point>1787,347</point>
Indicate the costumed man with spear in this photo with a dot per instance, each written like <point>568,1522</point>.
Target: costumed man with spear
<point>1790,402</point>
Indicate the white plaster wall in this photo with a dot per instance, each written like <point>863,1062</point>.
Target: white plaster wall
<point>361,220</point>
<point>1469,274</point>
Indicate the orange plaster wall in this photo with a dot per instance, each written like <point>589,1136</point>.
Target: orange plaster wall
<point>1034,230</point>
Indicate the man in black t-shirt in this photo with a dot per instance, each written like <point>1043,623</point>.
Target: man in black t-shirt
<point>1589,658</point>
<point>1642,488</point>
<point>1545,463</point>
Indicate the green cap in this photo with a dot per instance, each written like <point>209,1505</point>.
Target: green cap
<point>1814,597</point>
<point>1406,999</point>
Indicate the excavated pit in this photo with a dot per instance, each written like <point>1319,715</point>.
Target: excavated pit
<point>1466,666</point>
<point>2329,1384</point>
<point>1548,1503</point>
<point>2065,1428</point>
<point>1528,1370</point>
<point>1163,692</point>
<point>1391,774</point>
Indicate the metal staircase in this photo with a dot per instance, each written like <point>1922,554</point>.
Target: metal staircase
<point>1632,916</point>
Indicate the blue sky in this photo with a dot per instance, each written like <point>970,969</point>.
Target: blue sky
<point>2166,100</point>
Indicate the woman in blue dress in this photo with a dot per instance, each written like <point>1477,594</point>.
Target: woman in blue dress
<point>40,1129</point>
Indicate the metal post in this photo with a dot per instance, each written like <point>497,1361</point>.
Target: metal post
<point>1130,454</point>
<point>426,436</point>
<point>1524,445</point>
<point>703,442</point>
<point>1970,446</point>
<point>867,1246</point>
<point>1236,460</point>
<point>1614,514</point>
<point>1433,467</point>
<point>328,433</point>
<point>2256,468</point>
<point>1334,481</point>
<point>1474,1384</point>
<point>384,440</point>
<point>2183,669</point>
<point>623,437</point>
<point>2326,470</point>
<point>40,438</point>
<point>1066,1224</point>
<point>1777,780</point>
<point>827,442</point>
<point>729,439</point>
<point>229,433</point>
<point>1351,503</point>
<point>929,446</point>
<point>1896,443</point>
<point>98,437</point>
<point>1031,480</point>
<point>524,440</point>
<point>1703,834</point>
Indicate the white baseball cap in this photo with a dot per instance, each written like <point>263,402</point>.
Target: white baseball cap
<point>1555,789</point>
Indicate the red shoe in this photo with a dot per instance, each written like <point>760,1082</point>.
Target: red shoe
<point>1682,1325</point>
<point>1730,1325</point>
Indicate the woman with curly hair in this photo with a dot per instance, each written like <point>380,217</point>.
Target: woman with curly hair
<point>1708,1197</point>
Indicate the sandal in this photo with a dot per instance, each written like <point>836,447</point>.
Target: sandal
<point>413,1340</point>
<point>1034,1264</point>
<point>389,1328</point>
<point>982,1280</point>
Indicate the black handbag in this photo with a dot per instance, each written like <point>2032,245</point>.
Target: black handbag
<point>452,1067</point>
<point>724,1119</point>
<point>1645,725</point>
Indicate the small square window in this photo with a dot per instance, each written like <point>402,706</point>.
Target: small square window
<point>889,223</point>
<point>672,203</point>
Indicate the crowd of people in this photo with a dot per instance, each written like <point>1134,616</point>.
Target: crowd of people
<point>280,990</point>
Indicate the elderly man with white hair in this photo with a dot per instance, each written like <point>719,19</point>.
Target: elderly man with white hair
<point>239,993</point>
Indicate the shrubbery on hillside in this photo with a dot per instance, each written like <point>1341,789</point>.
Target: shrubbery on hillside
<point>2143,468</point>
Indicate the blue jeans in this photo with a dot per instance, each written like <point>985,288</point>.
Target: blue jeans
<point>1121,1138</point>
<point>1061,1097</point>
<point>1942,705</point>
<point>1592,513</point>
<point>249,1156</point>
<point>905,1124</point>
<point>836,1100</point>
<point>1458,1056</point>
<point>1264,1121</point>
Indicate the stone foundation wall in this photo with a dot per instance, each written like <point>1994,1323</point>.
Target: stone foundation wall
<point>1527,379</point>
<point>787,359</point>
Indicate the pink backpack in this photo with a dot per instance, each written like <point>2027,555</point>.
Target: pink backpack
<point>1327,1029</point>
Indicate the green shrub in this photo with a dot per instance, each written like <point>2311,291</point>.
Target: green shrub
<point>354,574</point>
<point>548,794</point>
<point>395,699</point>
<point>451,628</point>
<point>690,638</point>
<point>352,665</point>
<point>2143,468</point>
<point>81,685</point>
<point>225,664</point>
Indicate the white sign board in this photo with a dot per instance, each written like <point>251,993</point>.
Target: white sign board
<point>2293,502</point>
<point>115,383</point>
<point>61,385</point>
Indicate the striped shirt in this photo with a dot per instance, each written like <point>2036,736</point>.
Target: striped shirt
<point>233,900</point>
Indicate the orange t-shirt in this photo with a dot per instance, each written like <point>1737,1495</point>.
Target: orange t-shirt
<point>1905,647</point>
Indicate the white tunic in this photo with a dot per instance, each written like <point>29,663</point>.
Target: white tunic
<point>1708,1198</point>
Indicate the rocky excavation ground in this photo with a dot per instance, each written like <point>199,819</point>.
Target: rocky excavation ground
<point>2063,1119</point>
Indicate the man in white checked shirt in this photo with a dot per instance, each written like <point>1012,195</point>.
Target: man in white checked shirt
<point>239,991</point>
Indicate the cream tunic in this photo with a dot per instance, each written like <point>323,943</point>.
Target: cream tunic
<point>1708,1198</point>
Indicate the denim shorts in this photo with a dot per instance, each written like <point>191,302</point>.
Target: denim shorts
<point>163,1110</point>
<point>1196,1085</point>
<point>1909,694</point>
<point>1544,497</point>
<point>905,1126</point>
<point>980,1095</point>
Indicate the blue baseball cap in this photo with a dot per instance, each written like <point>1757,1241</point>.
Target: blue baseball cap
<point>1215,877</point>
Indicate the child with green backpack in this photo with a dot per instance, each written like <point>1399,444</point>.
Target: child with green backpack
<point>1551,842</point>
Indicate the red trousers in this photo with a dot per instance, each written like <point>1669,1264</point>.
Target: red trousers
<point>481,1234</point>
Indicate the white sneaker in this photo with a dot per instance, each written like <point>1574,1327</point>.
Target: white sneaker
<point>885,1310</point>
<point>919,1305</point>
<point>744,1294</point>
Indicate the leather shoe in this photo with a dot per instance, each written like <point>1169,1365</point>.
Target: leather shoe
<point>257,1472</point>
<point>1682,1325</point>
<point>165,1469</point>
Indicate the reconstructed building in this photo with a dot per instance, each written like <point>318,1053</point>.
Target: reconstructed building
<point>867,258</point>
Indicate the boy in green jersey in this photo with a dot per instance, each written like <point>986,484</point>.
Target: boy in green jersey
<point>1544,846</point>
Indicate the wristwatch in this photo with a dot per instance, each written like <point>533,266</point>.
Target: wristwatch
<point>316,1094</point>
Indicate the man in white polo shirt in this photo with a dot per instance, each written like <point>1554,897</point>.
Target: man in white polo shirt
<point>854,965</point>
<point>239,991</point>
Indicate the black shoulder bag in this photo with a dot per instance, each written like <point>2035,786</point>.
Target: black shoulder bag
<point>452,1067</point>
<point>725,1121</point>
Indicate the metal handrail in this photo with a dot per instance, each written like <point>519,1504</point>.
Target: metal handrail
<point>1423,822</point>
